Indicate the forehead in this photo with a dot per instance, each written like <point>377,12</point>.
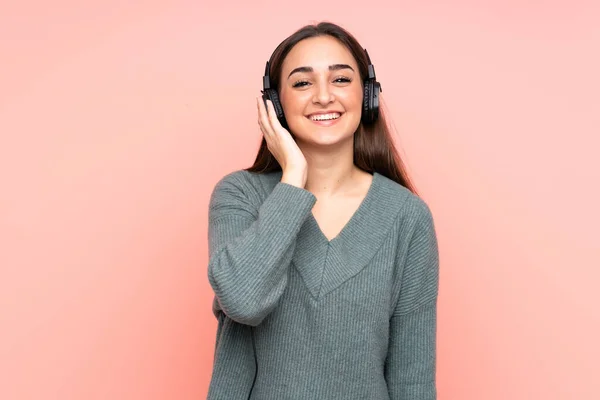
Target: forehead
<point>319,53</point>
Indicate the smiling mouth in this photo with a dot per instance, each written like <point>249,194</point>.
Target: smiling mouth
<point>324,117</point>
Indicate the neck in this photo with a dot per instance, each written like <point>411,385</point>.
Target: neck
<point>330,171</point>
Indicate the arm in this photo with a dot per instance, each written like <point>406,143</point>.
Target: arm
<point>251,247</point>
<point>410,368</point>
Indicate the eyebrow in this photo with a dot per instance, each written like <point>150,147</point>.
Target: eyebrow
<point>333,67</point>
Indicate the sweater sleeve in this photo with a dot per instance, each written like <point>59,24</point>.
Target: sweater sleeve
<point>410,368</point>
<point>251,247</point>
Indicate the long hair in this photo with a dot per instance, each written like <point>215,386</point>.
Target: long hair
<point>374,149</point>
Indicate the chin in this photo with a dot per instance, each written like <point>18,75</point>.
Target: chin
<point>324,137</point>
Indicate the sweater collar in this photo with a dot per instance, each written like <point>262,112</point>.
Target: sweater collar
<point>325,265</point>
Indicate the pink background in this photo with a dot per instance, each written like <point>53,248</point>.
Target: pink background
<point>117,118</point>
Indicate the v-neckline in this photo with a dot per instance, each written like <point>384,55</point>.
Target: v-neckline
<point>323,264</point>
<point>359,210</point>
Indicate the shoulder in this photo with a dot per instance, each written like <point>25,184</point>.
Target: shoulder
<point>243,186</point>
<point>406,205</point>
<point>235,180</point>
<point>245,180</point>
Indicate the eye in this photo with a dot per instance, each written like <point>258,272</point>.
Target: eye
<point>300,83</point>
<point>343,79</point>
<point>303,83</point>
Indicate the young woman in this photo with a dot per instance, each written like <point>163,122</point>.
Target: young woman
<point>323,259</point>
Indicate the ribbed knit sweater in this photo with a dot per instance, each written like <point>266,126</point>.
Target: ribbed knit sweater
<point>304,317</point>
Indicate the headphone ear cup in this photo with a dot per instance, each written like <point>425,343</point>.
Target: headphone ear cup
<point>270,94</point>
<point>374,101</point>
<point>366,96</point>
<point>367,114</point>
<point>370,111</point>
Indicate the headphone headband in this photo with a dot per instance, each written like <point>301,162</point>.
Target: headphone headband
<point>266,78</point>
<point>370,67</point>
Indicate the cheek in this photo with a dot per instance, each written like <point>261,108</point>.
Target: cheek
<point>352,100</point>
<point>293,102</point>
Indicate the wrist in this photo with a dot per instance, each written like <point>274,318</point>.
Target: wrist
<point>294,178</point>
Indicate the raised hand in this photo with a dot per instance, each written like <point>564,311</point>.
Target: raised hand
<point>281,144</point>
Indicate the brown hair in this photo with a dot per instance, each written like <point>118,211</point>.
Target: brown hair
<point>374,149</point>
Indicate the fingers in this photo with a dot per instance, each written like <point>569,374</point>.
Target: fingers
<point>268,116</point>
<point>273,116</point>
<point>263,118</point>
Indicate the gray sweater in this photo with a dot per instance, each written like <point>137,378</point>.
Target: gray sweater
<point>302,317</point>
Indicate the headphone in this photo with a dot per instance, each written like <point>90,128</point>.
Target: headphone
<point>370,108</point>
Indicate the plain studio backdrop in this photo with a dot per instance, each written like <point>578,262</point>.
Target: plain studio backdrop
<point>117,118</point>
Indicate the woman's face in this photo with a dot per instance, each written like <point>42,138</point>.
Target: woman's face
<point>321,91</point>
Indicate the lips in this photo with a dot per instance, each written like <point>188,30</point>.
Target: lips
<point>325,116</point>
<point>326,119</point>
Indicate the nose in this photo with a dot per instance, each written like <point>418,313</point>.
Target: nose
<point>323,94</point>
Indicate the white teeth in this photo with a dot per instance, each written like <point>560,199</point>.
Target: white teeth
<point>324,117</point>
